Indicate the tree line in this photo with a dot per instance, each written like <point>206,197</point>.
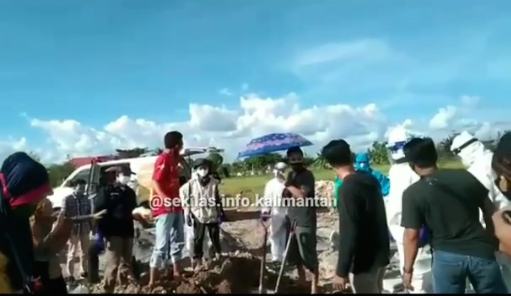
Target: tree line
<point>378,153</point>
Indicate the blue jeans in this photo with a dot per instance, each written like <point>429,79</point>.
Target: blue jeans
<point>450,272</point>
<point>169,234</point>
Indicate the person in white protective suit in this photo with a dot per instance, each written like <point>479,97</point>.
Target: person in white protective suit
<point>401,176</point>
<point>278,214</point>
<point>477,159</point>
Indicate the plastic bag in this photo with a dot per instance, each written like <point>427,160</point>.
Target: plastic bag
<point>424,236</point>
<point>98,241</point>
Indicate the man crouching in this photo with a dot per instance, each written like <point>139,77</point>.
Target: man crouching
<point>202,209</point>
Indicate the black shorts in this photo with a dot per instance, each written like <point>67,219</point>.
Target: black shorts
<point>302,251</point>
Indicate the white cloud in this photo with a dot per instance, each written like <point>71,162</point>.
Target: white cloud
<point>368,49</point>
<point>225,92</point>
<point>443,118</point>
<point>11,145</point>
<point>232,128</point>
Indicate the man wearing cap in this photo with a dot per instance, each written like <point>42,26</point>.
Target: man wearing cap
<point>276,211</point>
<point>203,209</point>
<point>119,201</point>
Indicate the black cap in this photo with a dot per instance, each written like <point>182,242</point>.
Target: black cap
<point>202,162</point>
<point>123,169</point>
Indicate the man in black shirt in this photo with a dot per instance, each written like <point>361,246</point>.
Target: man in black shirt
<point>117,226</point>
<point>447,203</point>
<point>364,248</point>
<point>300,185</point>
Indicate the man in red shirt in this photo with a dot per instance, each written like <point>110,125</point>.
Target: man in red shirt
<point>169,220</point>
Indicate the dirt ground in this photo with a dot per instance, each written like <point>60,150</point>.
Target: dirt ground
<point>238,269</point>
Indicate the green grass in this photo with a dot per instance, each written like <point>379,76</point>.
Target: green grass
<point>250,186</point>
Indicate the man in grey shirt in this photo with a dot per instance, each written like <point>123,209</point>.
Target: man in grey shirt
<point>300,185</point>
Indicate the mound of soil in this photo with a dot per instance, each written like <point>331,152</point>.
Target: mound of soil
<point>235,274</point>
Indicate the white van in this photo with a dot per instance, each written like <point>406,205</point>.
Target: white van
<point>140,182</point>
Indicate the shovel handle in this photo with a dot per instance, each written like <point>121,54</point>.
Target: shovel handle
<point>286,252</point>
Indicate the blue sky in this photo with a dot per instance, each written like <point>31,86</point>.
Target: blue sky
<point>94,61</point>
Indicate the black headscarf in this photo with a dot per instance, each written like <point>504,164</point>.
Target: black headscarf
<point>23,182</point>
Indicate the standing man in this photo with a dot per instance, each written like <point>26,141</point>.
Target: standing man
<point>203,210</point>
<point>169,217</point>
<point>277,212</point>
<point>75,205</point>
<point>364,248</point>
<point>300,185</point>
<point>362,164</point>
<point>448,201</point>
<point>477,159</point>
<point>117,227</point>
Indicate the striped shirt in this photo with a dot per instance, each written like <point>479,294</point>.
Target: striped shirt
<point>76,206</point>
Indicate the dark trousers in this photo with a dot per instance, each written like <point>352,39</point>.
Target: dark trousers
<point>93,264</point>
<point>450,272</point>
<point>58,285</point>
<point>199,231</point>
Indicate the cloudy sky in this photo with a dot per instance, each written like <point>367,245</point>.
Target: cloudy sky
<point>84,77</point>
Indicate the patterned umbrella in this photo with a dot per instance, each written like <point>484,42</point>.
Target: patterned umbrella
<point>273,143</point>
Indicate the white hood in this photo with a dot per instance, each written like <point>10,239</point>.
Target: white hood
<point>401,176</point>
<point>477,159</point>
<point>273,196</point>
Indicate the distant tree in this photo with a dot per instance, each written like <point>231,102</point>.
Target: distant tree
<point>59,172</point>
<point>378,152</point>
<point>34,156</point>
<point>130,153</point>
<point>216,159</point>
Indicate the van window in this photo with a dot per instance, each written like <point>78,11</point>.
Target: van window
<point>81,175</point>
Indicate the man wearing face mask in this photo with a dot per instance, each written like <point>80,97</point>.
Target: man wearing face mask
<point>75,205</point>
<point>117,226</point>
<point>203,209</point>
<point>300,185</point>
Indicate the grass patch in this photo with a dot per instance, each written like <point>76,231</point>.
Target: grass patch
<point>250,186</point>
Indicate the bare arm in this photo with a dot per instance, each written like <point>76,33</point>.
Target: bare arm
<point>412,220</point>
<point>502,224</point>
<point>411,247</point>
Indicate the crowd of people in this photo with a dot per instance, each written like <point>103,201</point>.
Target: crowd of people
<point>451,226</point>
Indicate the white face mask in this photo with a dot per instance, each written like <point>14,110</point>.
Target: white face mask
<point>123,179</point>
<point>202,172</point>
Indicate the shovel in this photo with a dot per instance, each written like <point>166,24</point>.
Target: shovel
<point>284,260</point>
<point>265,223</point>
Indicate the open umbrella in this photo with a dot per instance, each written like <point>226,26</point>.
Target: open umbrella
<point>273,143</point>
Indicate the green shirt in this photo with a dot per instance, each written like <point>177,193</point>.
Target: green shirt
<point>337,185</point>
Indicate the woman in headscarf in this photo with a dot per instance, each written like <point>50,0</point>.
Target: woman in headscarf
<point>24,182</point>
